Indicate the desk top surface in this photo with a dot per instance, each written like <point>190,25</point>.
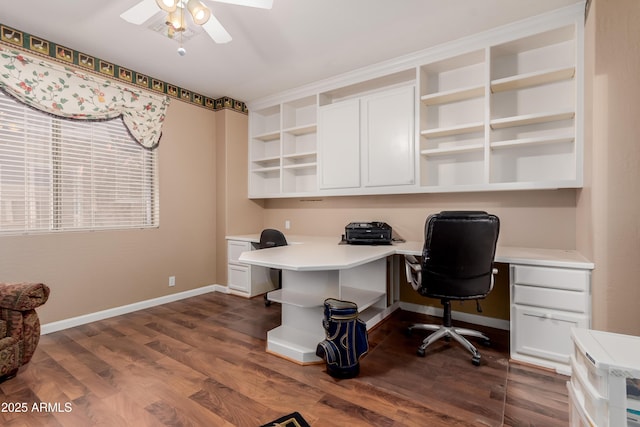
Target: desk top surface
<point>310,253</point>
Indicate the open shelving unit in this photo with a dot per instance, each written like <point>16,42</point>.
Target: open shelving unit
<point>283,152</point>
<point>452,122</point>
<point>264,151</point>
<point>500,111</point>
<point>504,115</point>
<point>534,100</point>
<point>300,156</point>
<point>302,298</point>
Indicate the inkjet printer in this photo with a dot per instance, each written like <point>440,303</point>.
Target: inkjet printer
<point>368,233</point>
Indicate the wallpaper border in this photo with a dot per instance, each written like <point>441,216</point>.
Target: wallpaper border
<point>39,46</point>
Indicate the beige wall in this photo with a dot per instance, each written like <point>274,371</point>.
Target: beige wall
<point>236,214</point>
<point>93,271</point>
<point>609,205</point>
<point>543,219</point>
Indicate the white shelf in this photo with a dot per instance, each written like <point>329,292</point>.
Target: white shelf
<point>529,119</point>
<point>530,142</point>
<point>300,155</point>
<point>266,170</point>
<point>372,316</point>
<point>301,130</point>
<point>269,159</point>
<point>310,165</point>
<point>453,95</point>
<point>453,130</point>
<point>361,297</point>
<point>298,299</point>
<point>532,79</point>
<point>269,136</point>
<point>452,150</point>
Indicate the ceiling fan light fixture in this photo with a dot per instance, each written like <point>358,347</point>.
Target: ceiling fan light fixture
<point>168,5</point>
<point>199,12</point>
<point>175,20</point>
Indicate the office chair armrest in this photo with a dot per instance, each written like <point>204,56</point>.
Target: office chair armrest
<point>494,271</point>
<point>413,270</point>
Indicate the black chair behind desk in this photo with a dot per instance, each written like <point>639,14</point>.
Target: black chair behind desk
<point>270,238</point>
<point>457,264</point>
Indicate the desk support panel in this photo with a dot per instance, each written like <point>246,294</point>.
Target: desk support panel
<point>302,297</point>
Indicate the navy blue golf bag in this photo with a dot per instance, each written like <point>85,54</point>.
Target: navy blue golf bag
<point>346,341</point>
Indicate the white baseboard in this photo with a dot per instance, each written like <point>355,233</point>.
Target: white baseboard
<point>117,311</point>
<point>475,319</point>
<point>129,308</point>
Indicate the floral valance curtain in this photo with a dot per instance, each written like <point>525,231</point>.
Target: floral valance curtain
<point>71,93</point>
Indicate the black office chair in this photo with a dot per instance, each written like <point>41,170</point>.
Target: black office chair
<point>457,264</point>
<point>270,238</point>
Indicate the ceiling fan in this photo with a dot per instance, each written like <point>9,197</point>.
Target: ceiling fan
<point>177,10</point>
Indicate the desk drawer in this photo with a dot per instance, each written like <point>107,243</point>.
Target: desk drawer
<point>235,248</point>
<point>548,277</point>
<point>238,277</point>
<point>544,334</point>
<point>558,299</point>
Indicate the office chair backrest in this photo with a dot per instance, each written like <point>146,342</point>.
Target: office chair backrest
<point>458,254</point>
<point>270,238</point>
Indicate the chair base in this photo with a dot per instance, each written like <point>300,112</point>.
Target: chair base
<point>458,334</point>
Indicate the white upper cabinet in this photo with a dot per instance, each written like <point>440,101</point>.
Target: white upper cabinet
<point>501,110</point>
<point>388,151</point>
<point>339,145</point>
<point>368,141</point>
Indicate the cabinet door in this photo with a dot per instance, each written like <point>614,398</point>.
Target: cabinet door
<point>239,277</point>
<point>544,333</point>
<point>388,138</point>
<point>339,145</point>
<point>235,248</point>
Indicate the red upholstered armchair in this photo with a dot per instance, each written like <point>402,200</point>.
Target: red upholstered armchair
<point>19,324</point>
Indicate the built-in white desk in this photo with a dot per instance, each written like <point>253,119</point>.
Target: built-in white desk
<point>549,293</point>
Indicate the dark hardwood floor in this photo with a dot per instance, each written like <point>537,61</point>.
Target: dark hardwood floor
<point>201,362</point>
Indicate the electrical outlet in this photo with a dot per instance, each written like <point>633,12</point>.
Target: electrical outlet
<point>287,224</point>
<point>172,280</point>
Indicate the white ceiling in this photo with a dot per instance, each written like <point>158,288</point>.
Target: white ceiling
<point>295,43</point>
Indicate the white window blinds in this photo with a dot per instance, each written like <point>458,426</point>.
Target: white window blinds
<point>59,175</point>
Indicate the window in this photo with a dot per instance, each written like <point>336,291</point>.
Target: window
<point>61,175</point>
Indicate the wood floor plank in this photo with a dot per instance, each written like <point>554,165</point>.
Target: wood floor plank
<point>202,362</point>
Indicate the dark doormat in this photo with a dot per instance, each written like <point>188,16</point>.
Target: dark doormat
<point>291,420</point>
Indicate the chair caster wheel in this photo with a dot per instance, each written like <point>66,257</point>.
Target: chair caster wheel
<point>486,343</point>
<point>420,352</point>
<point>476,361</point>
<point>267,303</point>
<point>408,332</point>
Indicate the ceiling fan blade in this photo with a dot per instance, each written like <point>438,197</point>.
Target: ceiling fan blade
<point>261,4</point>
<point>140,12</point>
<point>216,31</point>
